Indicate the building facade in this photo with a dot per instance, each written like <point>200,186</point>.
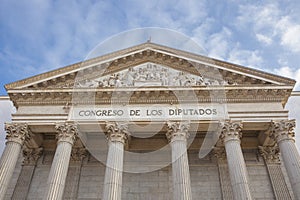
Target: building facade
<point>150,122</point>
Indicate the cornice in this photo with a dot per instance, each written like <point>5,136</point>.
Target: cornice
<point>4,98</point>
<point>154,88</point>
<point>295,93</point>
<point>170,95</point>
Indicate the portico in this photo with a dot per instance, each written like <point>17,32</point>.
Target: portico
<point>143,114</point>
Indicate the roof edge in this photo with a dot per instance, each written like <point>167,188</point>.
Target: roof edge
<point>191,55</point>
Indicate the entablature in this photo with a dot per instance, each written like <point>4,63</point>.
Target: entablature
<point>148,95</point>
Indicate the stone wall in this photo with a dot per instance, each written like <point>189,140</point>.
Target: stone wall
<point>153,185</point>
<point>40,176</point>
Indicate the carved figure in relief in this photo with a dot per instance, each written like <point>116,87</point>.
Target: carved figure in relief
<point>150,74</point>
<point>176,81</point>
<point>105,83</point>
<point>200,81</point>
<point>128,77</point>
<point>112,80</point>
<point>164,78</point>
<point>193,82</point>
<point>118,82</point>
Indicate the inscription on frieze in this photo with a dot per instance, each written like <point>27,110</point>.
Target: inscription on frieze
<point>142,113</point>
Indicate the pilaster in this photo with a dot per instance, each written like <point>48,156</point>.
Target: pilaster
<point>283,133</point>
<point>74,171</point>
<point>272,159</point>
<point>226,187</point>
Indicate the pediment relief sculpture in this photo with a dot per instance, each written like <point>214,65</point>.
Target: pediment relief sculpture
<point>150,74</point>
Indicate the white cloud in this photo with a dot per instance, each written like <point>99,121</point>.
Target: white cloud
<point>63,32</point>
<point>285,71</point>
<point>260,18</point>
<point>52,34</point>
<point>264,39</point>
<point>290,73</point>
<point>291,38</point>
<point>218,44</point>
<point>200,33</point>
<point>245,57</point>
<point>289,32</point>
<point>182,16</point>
<point>270,23</point>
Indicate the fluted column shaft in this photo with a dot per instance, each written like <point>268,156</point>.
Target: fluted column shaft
<point>231,135</point>
<point>177,135</point>
<point>66,136</point>
<point>283,133</point>
<point>16,135</point>
<point>113,173</point>
<point>117,134</point>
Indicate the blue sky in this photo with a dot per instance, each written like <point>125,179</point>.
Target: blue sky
<point>37,36</point>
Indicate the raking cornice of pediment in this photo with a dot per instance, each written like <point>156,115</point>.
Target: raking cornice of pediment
<point>158,54</point>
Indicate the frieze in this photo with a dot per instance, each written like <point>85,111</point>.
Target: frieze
<point>104,96</point>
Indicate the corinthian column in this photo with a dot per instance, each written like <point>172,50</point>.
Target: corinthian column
<point>177,135</point>
<point>117,134</point>
<point>231,135</point>
<point>15,137</point>
<point>66,135</point>
<point>283,133</point>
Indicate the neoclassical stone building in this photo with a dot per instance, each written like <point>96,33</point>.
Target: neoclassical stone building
<point>150,122</point>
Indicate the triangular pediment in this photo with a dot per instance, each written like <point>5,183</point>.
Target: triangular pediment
<point>150,65</point>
